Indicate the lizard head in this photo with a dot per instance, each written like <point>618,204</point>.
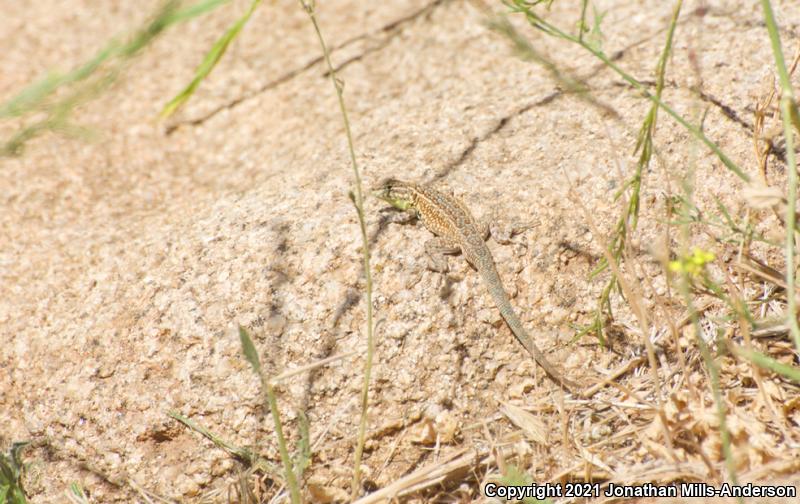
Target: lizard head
<point>397,193</point>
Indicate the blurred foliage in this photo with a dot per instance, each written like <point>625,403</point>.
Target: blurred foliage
<point>47,105</point>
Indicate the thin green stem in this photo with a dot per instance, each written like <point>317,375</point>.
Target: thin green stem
<point>708,359</point>
<point>358,201</point>
<point>789,114</point>
<point>267,390</point>
<point>582,23</point>
<point>787,104</point>
<point>685,290</point>
<point>713,371</point>
<point>291,481</point>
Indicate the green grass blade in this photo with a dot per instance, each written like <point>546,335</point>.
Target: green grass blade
<point>303,456</point>
<point>251,355</point>
<point>194,10</point>
<point>243,454</point>
<point>77,493</point>
<point>777,51</point>
<point>209,62</point>
<point>30,97</point>
<point>766,362</point>
<point>11,469</point>
<point>249,350</point>
<point>789,115</point>
<point>286,459</point>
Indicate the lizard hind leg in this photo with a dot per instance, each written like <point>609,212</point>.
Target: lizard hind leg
<point>503,232</point>
<point>490,225</point>
<point>436,249</point>
<point>485,227</point>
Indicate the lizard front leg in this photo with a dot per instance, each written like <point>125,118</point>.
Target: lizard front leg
<point>393,216</point>
<point>436,249</point>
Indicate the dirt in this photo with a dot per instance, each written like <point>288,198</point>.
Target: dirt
<point>129,260</point>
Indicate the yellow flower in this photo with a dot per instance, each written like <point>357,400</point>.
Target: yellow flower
<point>694,264</point>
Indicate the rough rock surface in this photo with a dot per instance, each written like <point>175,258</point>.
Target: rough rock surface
<point>128,261</point>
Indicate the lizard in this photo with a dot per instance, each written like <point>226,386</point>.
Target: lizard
<point>456,230</point>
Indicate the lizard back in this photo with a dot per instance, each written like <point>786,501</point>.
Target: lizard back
<point>447,216</point>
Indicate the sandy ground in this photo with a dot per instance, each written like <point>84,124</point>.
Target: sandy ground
<point>127,262</point>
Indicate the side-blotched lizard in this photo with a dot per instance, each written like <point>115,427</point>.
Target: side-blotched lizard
<point>457,231</point>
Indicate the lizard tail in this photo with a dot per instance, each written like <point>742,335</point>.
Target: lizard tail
<point>495,286</point>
